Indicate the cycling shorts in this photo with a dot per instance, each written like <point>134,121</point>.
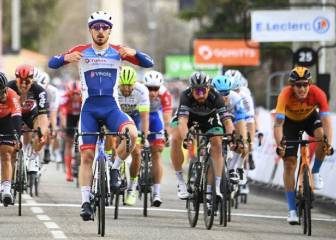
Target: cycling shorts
<point>98,109</point>
<point>292,128</point>
<point>71,124</point>
<point>7,127</point>
<point>156,125</point>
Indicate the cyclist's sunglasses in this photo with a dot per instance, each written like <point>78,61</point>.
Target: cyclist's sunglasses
<point>26,81</point>
<point>153,89</point>
<point>300,85</point>
<point>224,93</point>
<point>99,26</point>
<point>199,90</point>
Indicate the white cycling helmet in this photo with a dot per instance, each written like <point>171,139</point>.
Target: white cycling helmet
<point>100,16</point>
<point>236,77</point>
<point>41,77</point>
<point>153,79</point>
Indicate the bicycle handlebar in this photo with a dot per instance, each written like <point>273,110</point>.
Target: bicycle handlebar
<point>102,133</point>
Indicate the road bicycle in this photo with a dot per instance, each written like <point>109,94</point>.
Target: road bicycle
<point>100,187</point>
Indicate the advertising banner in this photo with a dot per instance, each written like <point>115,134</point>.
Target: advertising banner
<point>293,25</point>
<point>226,52</point>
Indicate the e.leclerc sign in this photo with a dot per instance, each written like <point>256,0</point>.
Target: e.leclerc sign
<point>293,25</point>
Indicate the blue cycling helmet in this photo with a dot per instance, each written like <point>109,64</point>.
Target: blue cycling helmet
<point>222,83</point>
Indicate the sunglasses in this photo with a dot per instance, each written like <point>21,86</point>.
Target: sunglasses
<point>99,26</point>
<point>200,90</point>
<point>224,93</point>
<point>26,81</point>
<point>153,89</point>
<point>300,85</point>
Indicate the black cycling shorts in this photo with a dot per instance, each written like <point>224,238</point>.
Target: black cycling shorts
<point>292,128</point>
<point>7,127</point>
<point>72,124</point>
<point>29,117</point>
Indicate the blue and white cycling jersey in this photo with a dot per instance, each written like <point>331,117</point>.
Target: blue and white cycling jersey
<point>235,106</point>
<point>99,73</point>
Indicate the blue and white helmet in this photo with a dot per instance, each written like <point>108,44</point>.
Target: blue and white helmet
<point>100,16</point>
<point>236,77</point>
<point>222,83</point>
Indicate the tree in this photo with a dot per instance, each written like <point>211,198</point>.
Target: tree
<point>37,18</point>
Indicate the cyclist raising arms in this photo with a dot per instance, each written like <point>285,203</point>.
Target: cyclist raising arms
<point>99,64</point>
<point>204,106</point>
<point>159,121</point>
<point>10,119</point>
<point>296,111</point>
<point>134,100</point>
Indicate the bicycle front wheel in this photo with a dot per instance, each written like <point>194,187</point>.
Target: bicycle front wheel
<point>209,197</point>
<point>307,196</point>
<point>102,195</point>
<point>193,202</point>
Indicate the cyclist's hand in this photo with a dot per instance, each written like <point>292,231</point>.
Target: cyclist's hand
<point>280,150</point>
<point>328,149</point>
<point>17,145</point>
<point>126,51</point>
<point>73,57</point>
<point>186,143</point>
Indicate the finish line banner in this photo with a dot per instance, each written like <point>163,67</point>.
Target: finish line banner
<point>293,25</point>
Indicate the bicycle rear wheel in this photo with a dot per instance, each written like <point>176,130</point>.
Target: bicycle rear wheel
<point>102,195</point>
<point>145,182</point>
<point>307,229</point>
<point>116,204</point>
<point>209,198</point>
<point>193,202</point>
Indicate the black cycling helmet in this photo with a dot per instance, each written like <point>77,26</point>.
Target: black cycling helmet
<point>299,73</point>
<point>3,81</point>
<point>199,79</point>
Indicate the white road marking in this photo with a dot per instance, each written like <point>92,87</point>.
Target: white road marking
<point>26,197</point>
<point>28,201</point>
<point>36,210</point>
<point>58,234</point>
<point>252,215</point>
<point>43,217</point>
<point>51,225</point>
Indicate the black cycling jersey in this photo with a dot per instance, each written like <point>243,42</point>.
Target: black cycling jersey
<point>36,101</point>
<point>212,106</point>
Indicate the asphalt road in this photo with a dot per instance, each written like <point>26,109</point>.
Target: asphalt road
<point>55,215</point>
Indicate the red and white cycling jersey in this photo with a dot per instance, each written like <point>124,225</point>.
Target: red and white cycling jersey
<point>162,102</point>
<point>11,106</point>
<point>71,104</point>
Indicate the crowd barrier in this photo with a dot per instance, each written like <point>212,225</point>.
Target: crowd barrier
<point>269,167</point>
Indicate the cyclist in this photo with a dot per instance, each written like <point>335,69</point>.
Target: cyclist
<point>70,108</point>
<point>35,107</point>
<point>134,100</point>
<point>43,79</point>
<point>223,84</point>
<point>99,65</point>
<point>238,82</point>
<point>301,106</point>
<point>10,119</point>
<point>202,105</point>
<point>159,121</point>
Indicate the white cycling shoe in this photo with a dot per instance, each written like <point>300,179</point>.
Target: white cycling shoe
<point>182,192</point>
<point>292,218</point>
